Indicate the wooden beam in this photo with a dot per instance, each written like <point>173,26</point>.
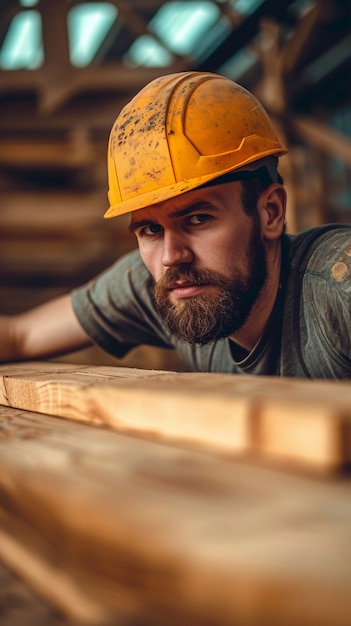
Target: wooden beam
<point>322,137</point>
<point>299,45</point>
<point>111,77</point>
<point>323,67</point>
<point>70,153</point>
<point>112,529</point>
<point>291,422</point>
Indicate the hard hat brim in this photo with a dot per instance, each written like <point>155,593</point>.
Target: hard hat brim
<point>166,193</point>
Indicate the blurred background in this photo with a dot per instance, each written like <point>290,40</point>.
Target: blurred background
<point>66,69</point>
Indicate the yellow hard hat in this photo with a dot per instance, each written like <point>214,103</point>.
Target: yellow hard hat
<point>180,132</point>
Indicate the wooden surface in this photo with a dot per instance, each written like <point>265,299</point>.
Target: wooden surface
<point>306,423</point>
<point>113,529</point>
<point>20,605</point>
<point>108,527</point>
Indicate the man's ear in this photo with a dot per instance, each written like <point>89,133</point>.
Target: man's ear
<point>272,209</point>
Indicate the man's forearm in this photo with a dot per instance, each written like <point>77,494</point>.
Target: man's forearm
<point>45,331</point>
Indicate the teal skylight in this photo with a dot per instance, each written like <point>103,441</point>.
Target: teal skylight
<point>245,7</point>
<point>239,63</point>
<point>180,26</point>
<point>88,25</point>
<point>22,47</point>
<point>28,3</point>
<point>148,52</point>
<point>214,37</point>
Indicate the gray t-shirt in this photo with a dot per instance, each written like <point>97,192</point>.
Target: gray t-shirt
<point>307,335</point>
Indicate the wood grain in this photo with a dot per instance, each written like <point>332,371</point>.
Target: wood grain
<point>293,422</point>
<point>114,529</point>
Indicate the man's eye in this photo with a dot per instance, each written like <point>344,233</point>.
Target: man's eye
<point>199,218</point>
<point>151,229</point>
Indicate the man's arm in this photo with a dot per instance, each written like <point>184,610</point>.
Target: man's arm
<point>45,331</point>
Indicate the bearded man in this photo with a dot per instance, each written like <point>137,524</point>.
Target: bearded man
<point>194,159</point>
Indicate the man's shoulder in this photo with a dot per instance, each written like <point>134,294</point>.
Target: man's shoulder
<point>131,264</point>
<point>128,275</point>
<point>323,252</point>
<point>320,243</point>
<point>131,258</point>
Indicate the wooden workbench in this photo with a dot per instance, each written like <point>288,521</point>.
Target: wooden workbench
<point>163,499</point>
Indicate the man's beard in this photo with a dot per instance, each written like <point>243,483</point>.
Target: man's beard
<point>205,318</point>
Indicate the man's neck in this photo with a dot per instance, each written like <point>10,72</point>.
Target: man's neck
<point>250,333</point>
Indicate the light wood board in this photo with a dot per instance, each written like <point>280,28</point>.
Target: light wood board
<point>114,529</point>
<point>293,422</point>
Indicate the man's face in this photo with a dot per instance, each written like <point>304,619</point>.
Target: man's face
<point>207,259</point>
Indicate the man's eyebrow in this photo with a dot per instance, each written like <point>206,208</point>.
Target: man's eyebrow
<point>135,225</point>
<point>198,206</point>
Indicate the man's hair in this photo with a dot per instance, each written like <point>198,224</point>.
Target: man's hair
<point>252,188</point>
<point>253,183</point>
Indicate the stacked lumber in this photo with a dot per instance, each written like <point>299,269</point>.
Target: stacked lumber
<point>54,240</point>
<point>163,498</point>
<point>306,423</point>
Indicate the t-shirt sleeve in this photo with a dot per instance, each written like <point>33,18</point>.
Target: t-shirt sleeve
<point>116,309</point>
<point>327,299</point>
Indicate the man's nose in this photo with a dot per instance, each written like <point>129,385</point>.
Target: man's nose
<point>175,250</point>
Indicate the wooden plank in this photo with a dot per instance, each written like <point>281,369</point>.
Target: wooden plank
<point>297,48</point>
<point>322,137</point>
<point>21,606</point>
<point>125,399</point>
<point>118,530</point>
<point>295,422</point>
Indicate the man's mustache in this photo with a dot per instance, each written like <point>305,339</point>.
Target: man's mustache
<point>187,275</point>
